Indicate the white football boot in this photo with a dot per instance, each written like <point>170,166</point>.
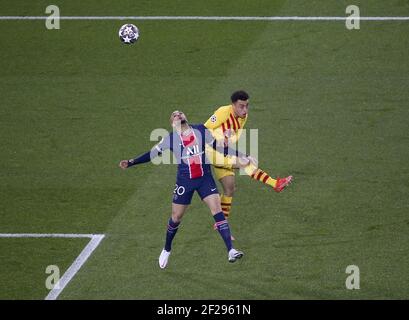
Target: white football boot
<point>234,255</point>
<point>163,259</point>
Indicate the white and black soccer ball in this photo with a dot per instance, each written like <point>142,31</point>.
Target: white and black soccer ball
<point>128,33</point>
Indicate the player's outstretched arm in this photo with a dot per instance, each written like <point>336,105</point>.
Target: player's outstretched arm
<point>148,156</point>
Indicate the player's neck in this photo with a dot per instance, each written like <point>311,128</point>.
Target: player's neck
<point>184,129</point>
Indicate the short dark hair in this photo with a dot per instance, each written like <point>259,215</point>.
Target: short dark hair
<point>239,95</point>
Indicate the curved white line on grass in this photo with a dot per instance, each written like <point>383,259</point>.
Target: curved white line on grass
<point>76,265</point>
<point>207,18</point>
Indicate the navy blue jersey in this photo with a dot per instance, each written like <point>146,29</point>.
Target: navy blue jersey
<point>189,151</point>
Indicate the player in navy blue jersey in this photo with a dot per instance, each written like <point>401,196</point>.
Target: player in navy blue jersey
<point>190,144</point>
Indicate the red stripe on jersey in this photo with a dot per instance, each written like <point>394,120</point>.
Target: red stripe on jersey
<point>225,204</point>
<point>223,127</point>
<point>228,124</point>
<point>234,122</point>
<point>194,162</point>
<point>238,123</point>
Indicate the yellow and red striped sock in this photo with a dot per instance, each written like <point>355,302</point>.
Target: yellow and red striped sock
<point>226,205</point>
<point>258,174</point>
<point>262,176</point>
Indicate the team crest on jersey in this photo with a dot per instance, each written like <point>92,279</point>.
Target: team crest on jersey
<point>213,118</point>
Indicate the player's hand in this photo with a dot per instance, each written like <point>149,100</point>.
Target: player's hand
<point>253,161</point>
<point>123,164</point>
<point>242,162</point>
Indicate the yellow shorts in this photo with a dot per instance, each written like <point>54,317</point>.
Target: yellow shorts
<point>223,165</point>
<point>221,172</point>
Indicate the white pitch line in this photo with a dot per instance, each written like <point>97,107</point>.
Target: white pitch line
<point>208,18</point>
<point>75,266</point>
<point>45,235</point>
<point>73,269</point>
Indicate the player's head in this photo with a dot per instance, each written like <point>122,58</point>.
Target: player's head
<point>177,118</point>
<point>240,102</point>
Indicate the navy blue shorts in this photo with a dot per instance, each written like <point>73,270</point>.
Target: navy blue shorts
<point>185,188</point>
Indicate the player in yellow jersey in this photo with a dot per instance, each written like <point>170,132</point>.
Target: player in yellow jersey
<point>226,125</point>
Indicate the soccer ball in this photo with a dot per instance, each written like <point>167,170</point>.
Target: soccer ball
<point>128,33</point>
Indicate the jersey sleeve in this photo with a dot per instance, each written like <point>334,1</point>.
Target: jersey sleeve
<point>164,144</point>
<point>209,139</point>
<point>157,150</point>
<point>217,119</point>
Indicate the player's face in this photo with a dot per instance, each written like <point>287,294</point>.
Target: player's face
<point>177,118</point>
<point>241,108</point>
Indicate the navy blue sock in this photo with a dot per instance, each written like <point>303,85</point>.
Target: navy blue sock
<point>170,233</point>
<point>223,228</point>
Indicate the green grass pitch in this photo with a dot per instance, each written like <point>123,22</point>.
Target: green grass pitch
<point>331,107</point>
